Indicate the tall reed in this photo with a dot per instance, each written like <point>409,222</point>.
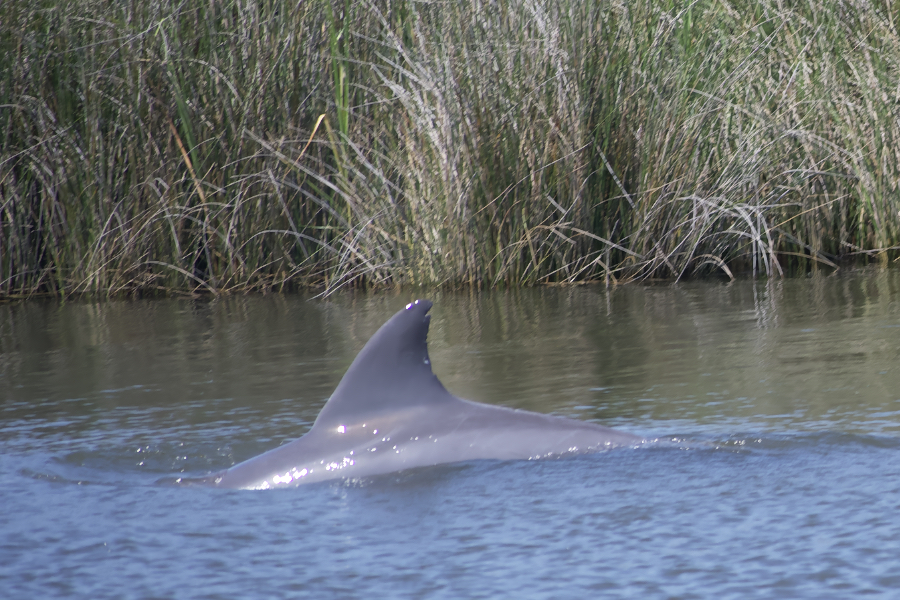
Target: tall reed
<point>230,145</point>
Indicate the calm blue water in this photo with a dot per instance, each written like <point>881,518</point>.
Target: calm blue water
<point>783,481</point>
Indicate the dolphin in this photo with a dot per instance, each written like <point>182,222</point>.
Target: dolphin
<point>390,412</point>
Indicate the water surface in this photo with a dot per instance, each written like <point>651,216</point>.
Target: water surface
<point>784,480</point>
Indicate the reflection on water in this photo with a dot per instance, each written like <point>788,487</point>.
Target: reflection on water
<point>817,350</point>
<point>803,353</point>
<point>793,380</point>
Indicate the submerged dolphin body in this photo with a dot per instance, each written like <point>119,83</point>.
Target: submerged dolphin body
<point>390,412</point>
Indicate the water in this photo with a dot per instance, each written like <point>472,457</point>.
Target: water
<point>784,397</point>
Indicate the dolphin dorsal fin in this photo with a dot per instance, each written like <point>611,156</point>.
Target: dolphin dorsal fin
<point>391,372</point>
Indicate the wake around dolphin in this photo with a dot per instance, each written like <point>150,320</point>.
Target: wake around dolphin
<point>390,413</point>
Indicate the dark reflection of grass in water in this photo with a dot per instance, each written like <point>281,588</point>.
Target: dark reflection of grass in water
<point>227,146</point>
<point>159,387</point>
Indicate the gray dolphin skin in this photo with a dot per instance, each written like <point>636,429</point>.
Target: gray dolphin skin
<point>390,413</point>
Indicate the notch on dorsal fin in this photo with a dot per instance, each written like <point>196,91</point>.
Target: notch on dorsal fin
<point>391,372</point>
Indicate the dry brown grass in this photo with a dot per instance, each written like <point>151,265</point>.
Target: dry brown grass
<point>225,146</point>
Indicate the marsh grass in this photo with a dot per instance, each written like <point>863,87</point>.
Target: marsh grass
<point>229,145</point>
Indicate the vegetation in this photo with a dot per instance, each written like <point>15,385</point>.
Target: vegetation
<point>227,145</point>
